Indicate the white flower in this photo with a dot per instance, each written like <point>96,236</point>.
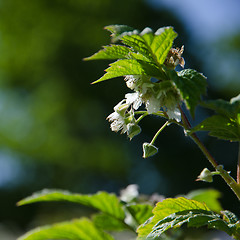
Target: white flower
<point>131,81</point>
<point>174,113</point>
<point>117,117</point>
<point>153,105</point>
<point>129,193</point>
<point>135,99</point>
<point>118,122</point>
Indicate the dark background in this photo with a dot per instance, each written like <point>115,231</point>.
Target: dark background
<point>53,132</point>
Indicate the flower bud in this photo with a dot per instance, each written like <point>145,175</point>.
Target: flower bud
<point>205,176</point>
<point>149,150</point>
<point>133,130</point>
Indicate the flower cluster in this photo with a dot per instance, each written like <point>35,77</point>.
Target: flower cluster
<point>155,96</point>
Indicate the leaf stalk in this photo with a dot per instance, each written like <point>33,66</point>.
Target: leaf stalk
<point>159,131</point>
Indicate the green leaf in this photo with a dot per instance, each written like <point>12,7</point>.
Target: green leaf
<point>194,218</point>
<point>162,43</point>
<point>229,216</point>
<point>130,67</point>
<point>208,196</point>
<point>111,52</point>
<point>221,127</point>
<point>226,123</point>
<point>140,212</point>
<point>229,109</point>
<point>153,47</point>
<point>119,30</point>
<point>191,85</point>
<point>108,223</point>
<point>222,107</point>
<point>139,45</point>
<point>165,208</point>
<point>102,201</point>
<point>73,230</point>
<point>173,213</point>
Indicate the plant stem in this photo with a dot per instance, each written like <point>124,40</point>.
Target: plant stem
<point>141,117</point>
<point>235,187</point>
<point>158,132</point>
<point>238,166</point>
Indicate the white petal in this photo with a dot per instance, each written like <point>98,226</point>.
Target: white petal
<point>113,116</point>
<point>137,103</point>
<point>152,105</point>
<point>174,113</point>
<point>135,99</point>
<point>131,97</point>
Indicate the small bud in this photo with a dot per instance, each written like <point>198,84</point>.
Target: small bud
<point>205,176</point>
<point>149,150</point>
<point>133,130</point>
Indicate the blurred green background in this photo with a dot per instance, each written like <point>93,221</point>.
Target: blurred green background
<point>53,132</point>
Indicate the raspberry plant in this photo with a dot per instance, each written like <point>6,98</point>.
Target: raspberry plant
<point>147,61</point>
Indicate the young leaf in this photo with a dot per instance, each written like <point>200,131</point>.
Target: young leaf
<point>102,201</point>
<point>111,52</point>
<point>73,230</point>
<point>191,85</point>
<point>119,30</point>
<point>208,196</point>
<point>139,45</point>
<point>131,67</point>
<point>153,47</point>
<point>162,43</point>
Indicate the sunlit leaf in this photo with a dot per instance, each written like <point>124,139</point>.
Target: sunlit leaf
<point>119,30</point>
<point>73,230</point>
<point>139,45</point>
<point>111,52</point>
<point>131,67</point>
<point>153,47</point>
<point>162,43</point>
<point>172,213</point>
<point>102,201</point>
<point>165,208</point>
<point>208,196</point>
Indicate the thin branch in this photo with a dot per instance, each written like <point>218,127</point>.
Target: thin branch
<point>223,173</point>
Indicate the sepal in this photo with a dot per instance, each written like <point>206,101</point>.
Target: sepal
<point>149,150</point>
